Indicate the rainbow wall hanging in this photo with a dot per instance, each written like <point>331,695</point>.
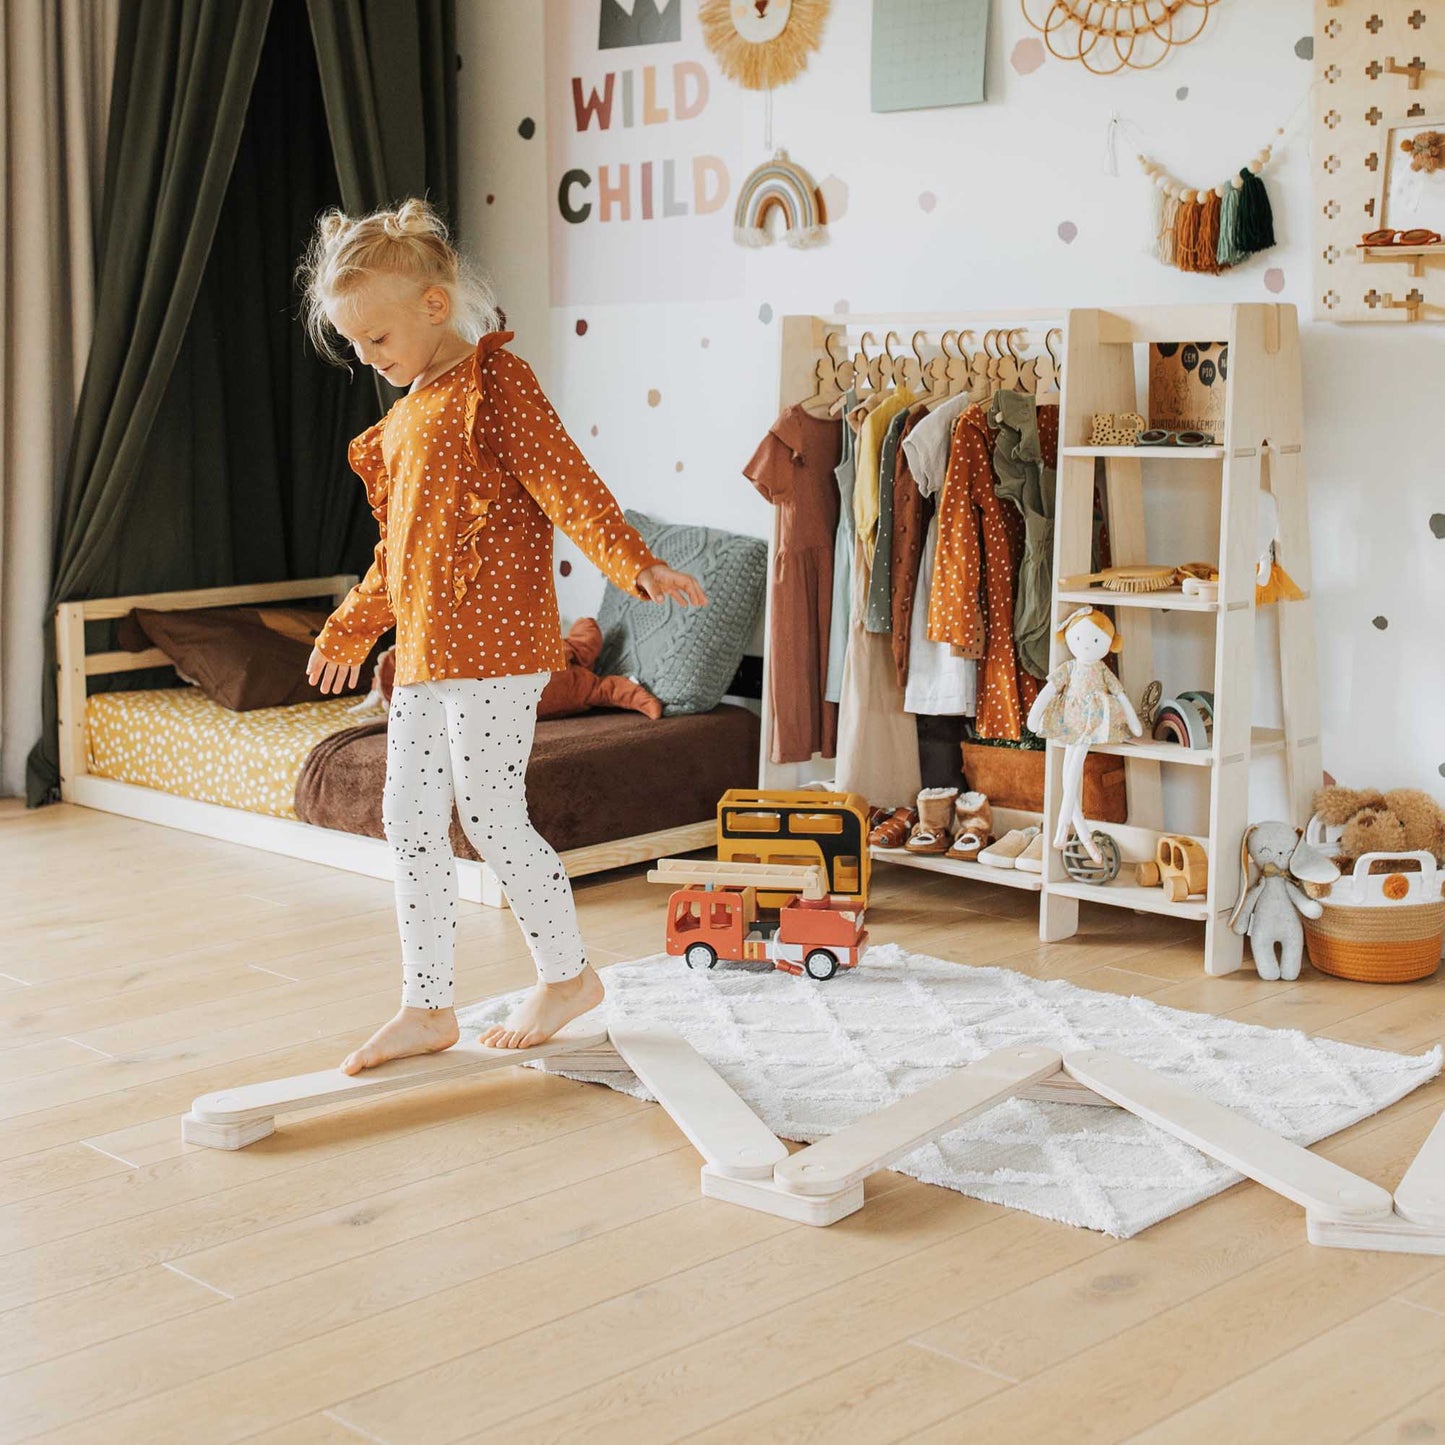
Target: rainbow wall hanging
<point>779,183</point>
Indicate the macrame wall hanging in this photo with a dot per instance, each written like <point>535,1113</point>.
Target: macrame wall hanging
<point>1211,228</point>
<point>762,44</point>
<point>1107,37</point>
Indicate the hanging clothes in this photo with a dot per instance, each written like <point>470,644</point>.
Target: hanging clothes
<point>877,739</point>
<point>911,515</point>
<point>838,619</point>
<point>1018,467</point>
<point>980,546</point>
<point>937,681</point>
<point>794,468</point>
<point>870,452</point>
<point>880,599</point>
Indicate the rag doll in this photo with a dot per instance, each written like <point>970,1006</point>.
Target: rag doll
<point>1083,703</point>
<point>1270,911</point>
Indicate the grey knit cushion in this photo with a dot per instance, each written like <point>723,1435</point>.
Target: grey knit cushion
<point>687,656</point>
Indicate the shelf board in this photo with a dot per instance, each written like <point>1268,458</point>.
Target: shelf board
<point>1262,741</point>
<point>1171,453</point>
<point>1124,893</point>
<point>1171,598</point>
<point>959,868</point>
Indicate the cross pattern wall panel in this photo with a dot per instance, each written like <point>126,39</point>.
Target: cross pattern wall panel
<point>1357,100</point>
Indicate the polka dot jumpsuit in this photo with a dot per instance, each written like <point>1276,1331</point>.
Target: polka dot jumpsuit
<point>467,477</point>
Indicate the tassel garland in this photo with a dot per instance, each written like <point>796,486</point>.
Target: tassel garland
<point>1210,230</point>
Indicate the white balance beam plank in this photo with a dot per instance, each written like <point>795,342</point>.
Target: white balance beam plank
<point>1324,1189</point>
<point>1420,1196</point>
<point>702,1104</point>
<point>1390,1234</point>
<point>872,1143</point>
<point>233,1118</point>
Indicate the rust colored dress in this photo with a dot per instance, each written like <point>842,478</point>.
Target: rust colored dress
<point>467,477</point>
<point>980,546</point>
<point>793,467</point>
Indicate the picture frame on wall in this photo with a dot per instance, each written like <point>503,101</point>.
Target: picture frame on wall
<point>1410,199</point>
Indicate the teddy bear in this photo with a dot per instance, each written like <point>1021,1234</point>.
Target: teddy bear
<point>1404,820</point>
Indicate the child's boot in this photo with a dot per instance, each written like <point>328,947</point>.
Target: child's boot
<point>935,818</point>
<point>972,825</point>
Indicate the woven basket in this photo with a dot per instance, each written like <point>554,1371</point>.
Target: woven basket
<point>1382,925</point>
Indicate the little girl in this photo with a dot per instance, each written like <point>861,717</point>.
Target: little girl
<point>466,476</point>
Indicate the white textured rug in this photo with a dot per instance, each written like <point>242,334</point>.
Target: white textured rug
<point>811,1057</point>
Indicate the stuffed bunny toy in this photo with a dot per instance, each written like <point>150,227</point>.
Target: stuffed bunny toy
<point>1267,911</point>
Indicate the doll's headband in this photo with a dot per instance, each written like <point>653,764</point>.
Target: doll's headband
<point>1099,619</point>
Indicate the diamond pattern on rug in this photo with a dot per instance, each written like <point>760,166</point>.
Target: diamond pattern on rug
<point>811,1057</point>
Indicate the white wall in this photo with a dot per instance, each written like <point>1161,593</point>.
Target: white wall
<point>1005,174</point>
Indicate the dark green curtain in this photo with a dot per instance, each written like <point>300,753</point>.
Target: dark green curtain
<point>209,446</point>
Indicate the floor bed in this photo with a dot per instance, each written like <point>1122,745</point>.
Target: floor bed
<point>607,789</point>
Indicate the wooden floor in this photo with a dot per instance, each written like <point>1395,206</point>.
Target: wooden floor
<point>525,1258</point>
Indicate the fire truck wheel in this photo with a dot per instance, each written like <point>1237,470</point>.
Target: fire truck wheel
<point>820,964</point>
<point>699,955</point>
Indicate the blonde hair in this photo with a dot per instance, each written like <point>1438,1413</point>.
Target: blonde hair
<point>1101,620</point>
<point>411,242</point>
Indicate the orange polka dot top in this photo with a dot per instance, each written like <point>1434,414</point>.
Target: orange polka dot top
<point>466,477</point>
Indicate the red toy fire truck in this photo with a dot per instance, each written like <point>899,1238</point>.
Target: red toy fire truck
<point>714,915</point>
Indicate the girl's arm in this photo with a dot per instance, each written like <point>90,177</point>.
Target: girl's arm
<point>528,438</point>
<point>365,612</point>
<point>1130,716</point>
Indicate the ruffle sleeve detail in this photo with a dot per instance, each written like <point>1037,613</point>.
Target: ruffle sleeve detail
<point>480,489</point>
<point>366,460</point>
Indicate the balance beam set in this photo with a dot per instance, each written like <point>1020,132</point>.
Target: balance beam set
<point>745,1163</point>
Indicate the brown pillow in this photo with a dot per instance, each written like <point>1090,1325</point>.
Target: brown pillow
<point>240,657</point>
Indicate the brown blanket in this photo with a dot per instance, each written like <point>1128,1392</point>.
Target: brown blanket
<point>590,779</point>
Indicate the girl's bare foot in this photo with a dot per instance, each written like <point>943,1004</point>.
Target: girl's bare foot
<point>545,1010</point>
<point>412,1031</point>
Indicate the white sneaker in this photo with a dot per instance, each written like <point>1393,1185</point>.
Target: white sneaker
<point>1031,860</point>
<point>1006,852</point>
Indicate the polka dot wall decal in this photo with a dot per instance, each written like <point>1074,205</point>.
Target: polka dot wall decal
<point>490,198</point>
<point>1182,93</point>
<point>1442,770</point>
<point>594,431</point>
<point>1067,231</point>
<point>840,308</point>
<point>654,396</point>
<point>835,198</point>
<point>1437,524</point>
<point>565,567</point>
<point>678,467</point>
<point>582,328</point>
<point>1274,280</point>
<point>528,128</point>
<point>1380,623</point>
<point>1304,47</point>
<point>1027,55</point>
<point>765,313</point>
<point>706,343</point>
<point>927,201</point>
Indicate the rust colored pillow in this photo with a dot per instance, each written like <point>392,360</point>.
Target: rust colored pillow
<point>575,690</point>
<point>240,657</point>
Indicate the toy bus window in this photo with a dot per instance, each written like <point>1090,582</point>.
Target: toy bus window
<point>722,913</point>
<point>744,858</point>
<point>845,875</point>
<point>794,860</point>
<point>815,823</point>
<point>752,822</point>
<point>688,918</point>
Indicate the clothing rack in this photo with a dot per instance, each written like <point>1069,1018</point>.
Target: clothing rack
<point>1262,441</point>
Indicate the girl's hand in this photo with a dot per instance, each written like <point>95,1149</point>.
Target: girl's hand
<point>327,671</point>
<point>661,582</point>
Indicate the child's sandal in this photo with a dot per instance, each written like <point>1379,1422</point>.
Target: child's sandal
<point>893,831</point>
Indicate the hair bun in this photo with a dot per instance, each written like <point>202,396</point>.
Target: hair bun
<point>413,218</point>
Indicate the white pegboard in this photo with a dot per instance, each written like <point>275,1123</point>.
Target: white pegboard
<point>1357,99</point>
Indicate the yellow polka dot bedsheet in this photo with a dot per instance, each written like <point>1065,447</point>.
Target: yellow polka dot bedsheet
<point>180,741</point>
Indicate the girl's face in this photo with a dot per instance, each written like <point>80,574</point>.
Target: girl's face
<point>395,327</point>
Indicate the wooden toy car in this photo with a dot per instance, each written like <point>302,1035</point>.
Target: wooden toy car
<point>1180,866</point>
<point>715,915</point>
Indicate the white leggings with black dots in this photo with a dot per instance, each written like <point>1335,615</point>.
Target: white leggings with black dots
<point>468,739</point>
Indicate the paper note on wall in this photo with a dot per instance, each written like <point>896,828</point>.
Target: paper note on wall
<point>928,53</point>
